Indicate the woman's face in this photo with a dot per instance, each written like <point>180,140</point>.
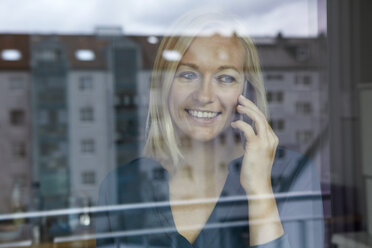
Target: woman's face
<point>206,86</point>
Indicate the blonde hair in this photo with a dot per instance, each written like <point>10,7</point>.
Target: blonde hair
<point>161,143</point>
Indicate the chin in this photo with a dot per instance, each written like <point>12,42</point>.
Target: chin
<point>204,137</point>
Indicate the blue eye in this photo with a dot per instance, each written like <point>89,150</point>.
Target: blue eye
<point>189,75</point>
<point>226,79</point>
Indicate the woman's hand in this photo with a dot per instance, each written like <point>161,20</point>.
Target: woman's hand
<point>255,175</point>
<point>259,150</point>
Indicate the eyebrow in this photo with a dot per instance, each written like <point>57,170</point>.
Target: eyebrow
<point>221,68</point>
<point>226,67</point>
<point>190,65</point>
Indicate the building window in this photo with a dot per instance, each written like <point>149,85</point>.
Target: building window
<point>17,117</point>
<point>62,116</point>
<point>88,177</point>
<point>86,114</point>
<point>49,55</point>
<point>269,96</point>
<point>274,96</point>
<point>19,150</point>
<point>302,53</point>
<point>87,146</point>
<point>126,100</point>
<point>85,83</point>
<point>304,108</point>
<point>279,96</point>
<point>43,117</point>
<point>277,124</point>
<point>305,80</point>
<point>304,136</point>
<point>274,77</point>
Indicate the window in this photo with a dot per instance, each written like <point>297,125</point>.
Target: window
<point>62,116</point>
<point>86,114</point>
<point>43,117</point>
<point>88,177</point>
<point>302,53</point>
<point>274,77</point>
<point>274,96</point>
<point>19,150</point>
<point>17,117</point>
<point>279,96</point>
<point>49,55</point>
<point>303,108</point>
<point>85,83</point>
<point>126,100</point>
<point>269,96</point>
<point>87,146</point>
<point>277,124</point>
<point>305,80</point>
<point>304,136</point>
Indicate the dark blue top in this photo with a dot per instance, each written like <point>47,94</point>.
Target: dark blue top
<point>139,214</point>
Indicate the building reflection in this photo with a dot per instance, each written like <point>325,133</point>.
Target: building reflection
<point>74,107</point>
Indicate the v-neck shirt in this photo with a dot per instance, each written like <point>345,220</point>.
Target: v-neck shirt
<point>149,222</point>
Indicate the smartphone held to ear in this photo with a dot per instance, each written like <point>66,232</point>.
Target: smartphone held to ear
<point>248,92</point>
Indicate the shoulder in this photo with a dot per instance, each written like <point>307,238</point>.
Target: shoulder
<point>293,171</point>
<point>123,184</point>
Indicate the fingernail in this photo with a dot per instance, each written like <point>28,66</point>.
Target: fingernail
<point>233,124</point>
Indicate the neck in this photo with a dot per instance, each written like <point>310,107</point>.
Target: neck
<point>204,157</point>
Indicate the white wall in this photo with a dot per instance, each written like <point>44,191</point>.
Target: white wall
<point>101,161</point>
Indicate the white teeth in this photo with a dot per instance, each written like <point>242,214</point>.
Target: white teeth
<point>202,114</point>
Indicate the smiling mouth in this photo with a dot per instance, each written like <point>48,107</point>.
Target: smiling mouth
<point>202,114</point>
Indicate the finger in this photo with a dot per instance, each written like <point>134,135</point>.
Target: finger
<point>245,128</point>
<point>260,123</point>
<point>248,103</point>
<point>272,135</point>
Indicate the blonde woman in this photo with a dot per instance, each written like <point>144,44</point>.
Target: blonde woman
<point>218,190</point>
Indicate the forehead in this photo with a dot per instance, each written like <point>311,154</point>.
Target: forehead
<point>215,51</point>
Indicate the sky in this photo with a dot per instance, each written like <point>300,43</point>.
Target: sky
<point>153,17</point>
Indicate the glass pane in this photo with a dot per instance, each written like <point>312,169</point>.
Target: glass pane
<point>122,124</point>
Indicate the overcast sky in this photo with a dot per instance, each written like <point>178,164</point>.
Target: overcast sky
<point>261,17</point>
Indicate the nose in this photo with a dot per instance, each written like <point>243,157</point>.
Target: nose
<point>204,94</point>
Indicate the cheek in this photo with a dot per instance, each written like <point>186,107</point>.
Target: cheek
<point>231,100</point>
<point>176,102</point>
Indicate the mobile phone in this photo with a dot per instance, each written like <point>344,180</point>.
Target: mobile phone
<point>248,92</point>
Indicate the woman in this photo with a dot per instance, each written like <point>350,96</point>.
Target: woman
<point>199,105</point>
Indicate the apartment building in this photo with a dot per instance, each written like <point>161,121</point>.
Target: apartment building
<point>49,73</point>
<point>297,93</point>
<point>90,116</point>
